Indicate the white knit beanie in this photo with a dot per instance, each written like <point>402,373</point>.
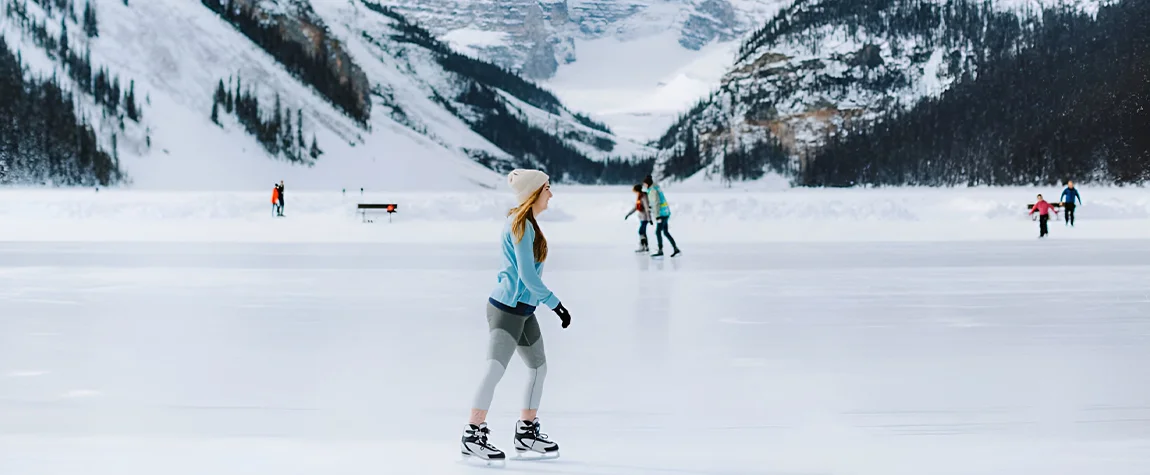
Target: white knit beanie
<point>525,183</point>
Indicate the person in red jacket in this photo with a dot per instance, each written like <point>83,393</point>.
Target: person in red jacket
<point>643,207</point>
<point>276,201</point>
<point>1043,208</point>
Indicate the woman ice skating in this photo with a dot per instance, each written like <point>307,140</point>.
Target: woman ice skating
<point>1043,208</point>
<point>642,206</point>
<point>513,326</point>
<point>662,213</point>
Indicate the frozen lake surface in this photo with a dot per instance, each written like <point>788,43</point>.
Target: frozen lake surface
<point>983,357</point>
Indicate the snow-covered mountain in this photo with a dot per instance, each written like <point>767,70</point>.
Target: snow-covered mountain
<point>318,93</point>
<point>535,37</point>
<point>632,64</point>
<point>821,64</point>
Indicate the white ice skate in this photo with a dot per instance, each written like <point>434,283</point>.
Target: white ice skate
<point>530,444</point>
<point>474,445</point>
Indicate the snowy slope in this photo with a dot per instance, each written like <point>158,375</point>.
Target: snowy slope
<point>639,72</point>
<point>820,64</point>
<point>176,51</point>
<point>631,64</point>
<point>639,87</point>
<point>540,37</point>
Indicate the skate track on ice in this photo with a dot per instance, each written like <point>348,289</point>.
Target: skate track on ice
<point>989,357</point>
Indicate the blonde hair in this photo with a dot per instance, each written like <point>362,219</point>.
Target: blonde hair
<point>523,213</point>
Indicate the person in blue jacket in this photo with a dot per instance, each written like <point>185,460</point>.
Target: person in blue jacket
<point>661,210</point>
<point>512,323</point>
<point>1068,196</point>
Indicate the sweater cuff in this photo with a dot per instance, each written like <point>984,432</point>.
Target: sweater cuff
<point>551,301</point>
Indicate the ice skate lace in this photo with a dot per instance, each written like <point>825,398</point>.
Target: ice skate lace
<point>481,436</point>
<point>534,430</point>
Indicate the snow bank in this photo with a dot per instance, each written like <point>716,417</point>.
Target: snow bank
<point>578,215</point>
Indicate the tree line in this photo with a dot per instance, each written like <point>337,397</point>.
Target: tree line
<point>315,70</point>
<point>104,87</point>
<point>273,130</point>
<point>535,147</point>
<point>90,23</point>
<point>43,141</point>
<point>1075,104</point>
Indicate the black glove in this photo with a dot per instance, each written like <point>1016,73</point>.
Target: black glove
<point>564,315</point>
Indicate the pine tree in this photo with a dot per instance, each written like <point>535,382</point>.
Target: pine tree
<point>64,39</point>
<point>130,101</point>
<point>300,143</point>
<point>315,151</point>
<point>91,24</point>
<point>287,139</point>
<point>219,96</point>
<point>228,104</point>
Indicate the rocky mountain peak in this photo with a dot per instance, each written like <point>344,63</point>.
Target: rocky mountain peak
<point>536,37</point>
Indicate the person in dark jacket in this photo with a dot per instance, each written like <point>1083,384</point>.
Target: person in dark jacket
<point>1068,196</point>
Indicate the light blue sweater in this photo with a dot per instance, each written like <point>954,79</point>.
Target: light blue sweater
<point>519,281</point>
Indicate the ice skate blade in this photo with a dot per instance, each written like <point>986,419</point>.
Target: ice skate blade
<point>532,456</point>
<point>482,462</point>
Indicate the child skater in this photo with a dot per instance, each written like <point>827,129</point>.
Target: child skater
<point>643,208</point>
<point>1043,208</point>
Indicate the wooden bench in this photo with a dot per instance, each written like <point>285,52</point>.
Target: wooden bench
<point>391,208</point>
<point>1052,205</point>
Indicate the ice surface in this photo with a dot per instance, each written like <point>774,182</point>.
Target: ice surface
<point>883,332</point>
<point>795,358</point>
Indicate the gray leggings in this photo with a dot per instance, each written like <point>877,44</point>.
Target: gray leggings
<point>511,333</point>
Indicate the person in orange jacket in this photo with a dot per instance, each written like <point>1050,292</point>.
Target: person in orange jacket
<point>276,200</point>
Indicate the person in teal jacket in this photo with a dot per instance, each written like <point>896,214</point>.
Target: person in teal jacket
<point>662,212</point>
<point>512,323</point>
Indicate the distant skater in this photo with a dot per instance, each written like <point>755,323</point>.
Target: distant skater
<point>512,323</point>
<point>282,200</point>
<point>1068,196</point>
<point>1043,208</point>
<point>642,206</point>
<point>662,213</point>
<point>276,200</point>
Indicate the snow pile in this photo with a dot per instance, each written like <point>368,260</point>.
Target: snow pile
<point>579,214</point>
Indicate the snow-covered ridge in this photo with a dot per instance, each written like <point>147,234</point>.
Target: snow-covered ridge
<point>820,64</point>
<point>539,37</point>
<point>419,135</point>
<point>631,64</point>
